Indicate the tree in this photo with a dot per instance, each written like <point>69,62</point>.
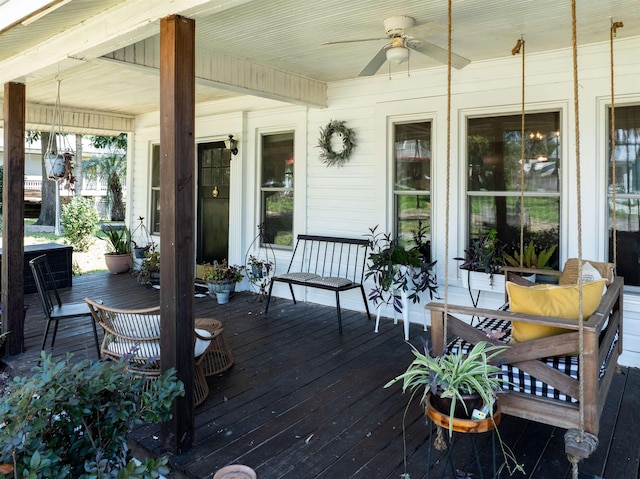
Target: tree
<point>48,203</point>
<point>110,167</point>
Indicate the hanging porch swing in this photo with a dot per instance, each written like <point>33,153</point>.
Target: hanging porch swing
<point>560,379</point>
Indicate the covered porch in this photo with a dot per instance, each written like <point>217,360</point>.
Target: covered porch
<point>302,401</point>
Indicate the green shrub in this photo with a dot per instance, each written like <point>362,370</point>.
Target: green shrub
<point>71,420</point>
<point>80,222</point>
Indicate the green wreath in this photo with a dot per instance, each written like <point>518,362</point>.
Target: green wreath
<point>330,157</point>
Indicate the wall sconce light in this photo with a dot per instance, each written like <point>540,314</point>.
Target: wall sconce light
<point>231,145</point>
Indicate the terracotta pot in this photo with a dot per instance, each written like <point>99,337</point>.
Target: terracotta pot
<point>117,263</point>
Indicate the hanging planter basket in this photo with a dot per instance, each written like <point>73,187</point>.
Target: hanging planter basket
<point>57,165</point>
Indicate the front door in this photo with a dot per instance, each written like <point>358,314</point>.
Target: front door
<point>214,170</point>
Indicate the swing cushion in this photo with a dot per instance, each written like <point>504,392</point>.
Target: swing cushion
<point>521,381</point>
<point>552,301</point>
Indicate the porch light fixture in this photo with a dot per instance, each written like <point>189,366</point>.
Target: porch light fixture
<point>231,145</point>
<point>397,55</point>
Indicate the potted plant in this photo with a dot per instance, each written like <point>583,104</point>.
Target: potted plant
<point>484,255</point>
<point>118,255</point>
<point>459,385</point>
<point>258,269</point>
<point>72,419</point>
<point>150,268</point>
<point>531,259</point>
<point>394,268</point>
<point>141,240</point>
<point>221,277</point>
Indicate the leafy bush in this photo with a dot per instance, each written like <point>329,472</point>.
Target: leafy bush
<point>72,420</point>
<point>80,222</point>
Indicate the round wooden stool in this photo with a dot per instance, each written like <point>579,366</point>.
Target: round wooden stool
<point>464,426</point>
<point>218,357</point>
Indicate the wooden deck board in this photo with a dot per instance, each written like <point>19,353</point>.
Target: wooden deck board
<point>303,401</point>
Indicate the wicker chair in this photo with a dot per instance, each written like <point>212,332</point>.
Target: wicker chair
<point>135,334</point>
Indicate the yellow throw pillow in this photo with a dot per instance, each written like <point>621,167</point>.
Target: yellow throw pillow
<point>551,301</point>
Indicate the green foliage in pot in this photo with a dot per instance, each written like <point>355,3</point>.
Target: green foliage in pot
<point>79,219</point>
<point>151,261</point>
<point>118,240</point>
<point>531,259</point>
<point>72,420</point>
<point>394,267</point>
<point>150,264</point>
<point>452,375</point>
<point>485,253</point>
<point>258,268</point>
<point>223,272</point>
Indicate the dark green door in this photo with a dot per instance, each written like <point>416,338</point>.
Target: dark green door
<point>214,163</point>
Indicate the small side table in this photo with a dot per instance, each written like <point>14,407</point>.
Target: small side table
<point>218,357</point>
<point>464,426</point>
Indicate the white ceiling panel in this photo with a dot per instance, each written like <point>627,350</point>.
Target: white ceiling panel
<point>289,36</point>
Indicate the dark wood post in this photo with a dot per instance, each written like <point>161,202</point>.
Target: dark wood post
<point>177,223</point>
<point>13,217</point>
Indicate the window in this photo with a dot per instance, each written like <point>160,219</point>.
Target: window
<point>277,188</point>
<point>155,189</point>
<point>412,180</point>
<point>494,178</point>
<point>627,186</point>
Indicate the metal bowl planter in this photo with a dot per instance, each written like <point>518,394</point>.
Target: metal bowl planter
<point>221,286</point>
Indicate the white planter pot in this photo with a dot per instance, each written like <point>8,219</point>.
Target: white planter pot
<point>478,280</point>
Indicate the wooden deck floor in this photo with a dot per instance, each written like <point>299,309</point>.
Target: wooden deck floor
<point>304,402</point>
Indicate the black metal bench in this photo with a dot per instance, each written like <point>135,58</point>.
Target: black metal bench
<point>326,262</point>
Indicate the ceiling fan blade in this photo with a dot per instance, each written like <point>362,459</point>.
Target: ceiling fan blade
<point>424,29</point>
<point>374,65</point>
<point>440,54</point>
<point>355,41</point>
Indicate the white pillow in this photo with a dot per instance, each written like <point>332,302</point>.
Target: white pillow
<point>589,273</point>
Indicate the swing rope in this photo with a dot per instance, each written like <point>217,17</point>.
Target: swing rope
<point>448,175</point>
<point>439,442</point>
<point>518,49</point>
<point>612,34</point>
<point>588,442</point>
<point>572,434</point>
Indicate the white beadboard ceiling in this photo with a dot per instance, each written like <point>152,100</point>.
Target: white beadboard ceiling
<point>283,35</point>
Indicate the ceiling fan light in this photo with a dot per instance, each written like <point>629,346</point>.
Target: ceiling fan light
<point>398,55</point>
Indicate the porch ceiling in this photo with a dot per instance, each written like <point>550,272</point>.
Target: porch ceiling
<point>278,39</point>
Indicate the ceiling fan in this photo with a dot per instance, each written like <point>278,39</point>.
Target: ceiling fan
<point>405,36</point>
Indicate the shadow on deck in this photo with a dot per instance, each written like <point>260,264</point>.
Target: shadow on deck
<point>303,401</point>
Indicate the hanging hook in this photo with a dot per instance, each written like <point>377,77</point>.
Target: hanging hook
<point>519,44</point>
<point>615,26</point>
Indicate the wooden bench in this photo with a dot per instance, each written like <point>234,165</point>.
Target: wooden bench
<point>326,262</point>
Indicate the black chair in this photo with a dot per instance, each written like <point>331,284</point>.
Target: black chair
<point>51,303</point>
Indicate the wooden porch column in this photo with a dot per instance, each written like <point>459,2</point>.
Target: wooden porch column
<point>177,223</point>
<point>13,217</point>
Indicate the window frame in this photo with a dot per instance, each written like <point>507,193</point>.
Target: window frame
<point>465,231</point>
<point>154,202</point>
<point>620,196</point>
<point>397,193</point>
<point>263,190</point>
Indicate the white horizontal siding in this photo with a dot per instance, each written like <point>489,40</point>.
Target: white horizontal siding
<point>348,200</point>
